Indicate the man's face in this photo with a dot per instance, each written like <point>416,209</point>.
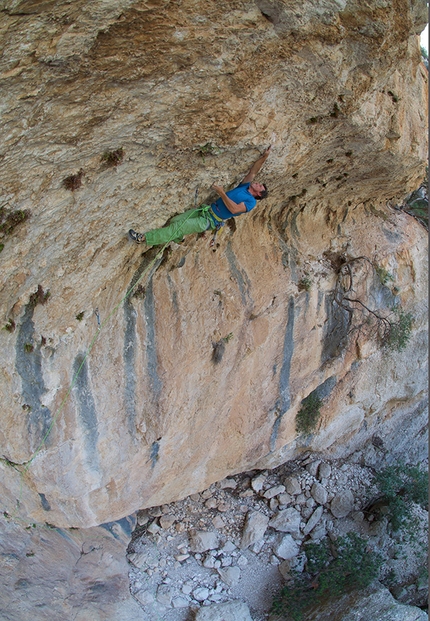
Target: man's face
<point>257,188</point>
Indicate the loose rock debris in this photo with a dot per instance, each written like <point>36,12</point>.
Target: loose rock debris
<point>236,542</point>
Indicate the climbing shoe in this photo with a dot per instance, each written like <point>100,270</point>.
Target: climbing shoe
<point>137,237</point>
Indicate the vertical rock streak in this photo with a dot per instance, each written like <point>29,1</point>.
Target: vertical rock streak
<point>28,363</point>
<point>129,354</point>
<point>284,402</point>
<point>87,411</point>
<point>151,344</point>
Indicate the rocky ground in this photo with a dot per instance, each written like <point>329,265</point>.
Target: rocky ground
<point>238,540</point>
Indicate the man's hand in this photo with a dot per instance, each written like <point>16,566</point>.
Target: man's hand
<point>255,169</point>
<point>218,188</point>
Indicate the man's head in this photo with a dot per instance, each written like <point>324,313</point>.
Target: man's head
<point>258,190</point>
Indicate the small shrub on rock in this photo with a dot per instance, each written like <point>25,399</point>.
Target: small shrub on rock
<point>309,413</point>
<point>400,330</point>
<point>332,569</point>
<point>113,158</point>
<point>73,182</point>
<point>10,219</point>
<point>402,485</point>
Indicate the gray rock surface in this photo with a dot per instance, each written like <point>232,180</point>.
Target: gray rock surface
<point>375,604</point>
<point>286,521</point>
<point>230,575</point>
<point>319,493</point>
<point>286,548</point>
<point>292,486</point>
<point>313,520</point>
<point>202,541</point>
<point>255,527</point>
<point>231,611</point>
<point>342,504</point>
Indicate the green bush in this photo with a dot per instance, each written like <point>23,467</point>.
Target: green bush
<point>401,486</point>
<point>309,414</point>
<point>9,220</point>
<point>332,569</point>
<point>400,330</point>
<point>113,158</point>
<point>384,275</point>
<point>305,283</point>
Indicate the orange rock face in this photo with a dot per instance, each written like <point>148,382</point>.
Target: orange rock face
<point>201,370</point>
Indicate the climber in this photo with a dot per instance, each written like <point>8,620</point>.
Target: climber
<point>230,204</point>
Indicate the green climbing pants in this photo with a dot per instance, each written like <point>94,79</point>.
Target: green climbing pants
<point>191,221</point>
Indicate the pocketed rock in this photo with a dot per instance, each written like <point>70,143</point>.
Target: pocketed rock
<point>255,527</point>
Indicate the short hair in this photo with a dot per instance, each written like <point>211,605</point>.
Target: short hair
<point>263,194</point>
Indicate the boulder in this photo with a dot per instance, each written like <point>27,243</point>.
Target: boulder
<point>230,575</point>
<point>319,493</point>
<point>201,541</point>
<point>375,603</point>
<point>255,526</point>
<point>230,611</point>
<point>342,504</point>
<point>286,521</point>
<point>313,520</point>
<point>286,548</point>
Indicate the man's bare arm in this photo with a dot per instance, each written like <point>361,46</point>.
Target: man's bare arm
<point>255,168</point>
<point>231,205</point>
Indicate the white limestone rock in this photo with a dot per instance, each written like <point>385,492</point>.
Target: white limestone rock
<point>201,541</point>
<point>144,597</point>
<point>255,526</point>
<point>230,611</point>
<point>292,485</point>
<point>313,520</point>
<point>286,521</point>
<point>201,594</point>
<point>319,493</point>
<point>258,482</point>
<point>274,491</point>
<point>286,548</point>
<point>342,504</point>
<point>230,575</point>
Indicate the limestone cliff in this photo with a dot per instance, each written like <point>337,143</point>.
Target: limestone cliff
<point>192,91</point>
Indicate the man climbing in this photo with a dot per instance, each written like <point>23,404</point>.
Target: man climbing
<point>231,204</point>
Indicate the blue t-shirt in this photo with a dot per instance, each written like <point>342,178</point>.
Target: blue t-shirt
<point>240,194</point>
